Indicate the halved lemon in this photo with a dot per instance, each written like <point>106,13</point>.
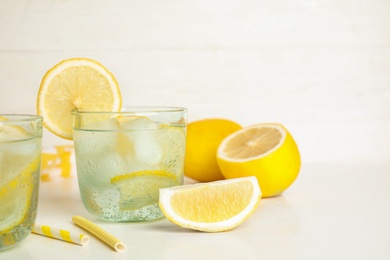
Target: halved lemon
<point>212,206</point>
<point>267,151</point>
<point>141,188</point>
<point>77,83</point>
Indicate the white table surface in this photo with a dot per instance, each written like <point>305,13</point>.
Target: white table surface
<point>330,212</point>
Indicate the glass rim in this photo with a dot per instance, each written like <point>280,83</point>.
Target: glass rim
<point>135,110</point>
<point>20,118</point>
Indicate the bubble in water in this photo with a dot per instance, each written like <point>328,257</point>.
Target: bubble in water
<point>108,200</point>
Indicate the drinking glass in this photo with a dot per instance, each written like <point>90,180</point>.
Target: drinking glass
<point>20,159</point>
<point>124,158</point>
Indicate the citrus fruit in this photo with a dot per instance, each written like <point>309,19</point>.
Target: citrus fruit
<point>203,139</point>
<point>139,189</point>
<point>267,151</point>
<point>15,197</point>
<point>10,132</point>
<point>212,206</point>
<point>76,83</point>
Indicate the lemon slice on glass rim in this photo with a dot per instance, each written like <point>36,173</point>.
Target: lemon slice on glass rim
<point>76,83</point>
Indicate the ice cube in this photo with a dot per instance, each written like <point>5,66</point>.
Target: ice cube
<point>141,132</point>
<point>172,140</point>
<point>146,148</point>
<point>137,123</point>
<point>169,118</point>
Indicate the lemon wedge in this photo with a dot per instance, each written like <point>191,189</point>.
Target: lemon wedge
<point>212,206</point>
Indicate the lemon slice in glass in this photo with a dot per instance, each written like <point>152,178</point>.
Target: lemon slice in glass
<point>140,189</point>
<point>10,132</point>
<point>15,197</point>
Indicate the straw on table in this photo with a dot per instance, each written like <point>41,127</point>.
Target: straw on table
<point>60,234</point>
<point>100,233</point>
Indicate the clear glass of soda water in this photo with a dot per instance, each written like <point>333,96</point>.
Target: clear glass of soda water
<point>20,159</point>
<point>124,158</point>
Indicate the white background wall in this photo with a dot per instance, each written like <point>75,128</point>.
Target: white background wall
<point>322,68</point>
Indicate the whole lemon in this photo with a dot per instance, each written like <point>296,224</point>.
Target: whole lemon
<point>203,139</point>
<point>267,151</point>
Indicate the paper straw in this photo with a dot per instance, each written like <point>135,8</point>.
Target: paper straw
<point>60,234</point>
<point>100,233</point>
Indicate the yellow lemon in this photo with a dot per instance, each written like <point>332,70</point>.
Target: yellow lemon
<point>10,132</point>
<point>267,151</point>
<point>203,139</point>
<point>15,197</point>
<point>77,83</point>
<point>212,206</point>
<point>139,189</point>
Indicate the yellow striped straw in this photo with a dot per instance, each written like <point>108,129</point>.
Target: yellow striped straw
<point>100,233</point>
<point>60,234</point>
